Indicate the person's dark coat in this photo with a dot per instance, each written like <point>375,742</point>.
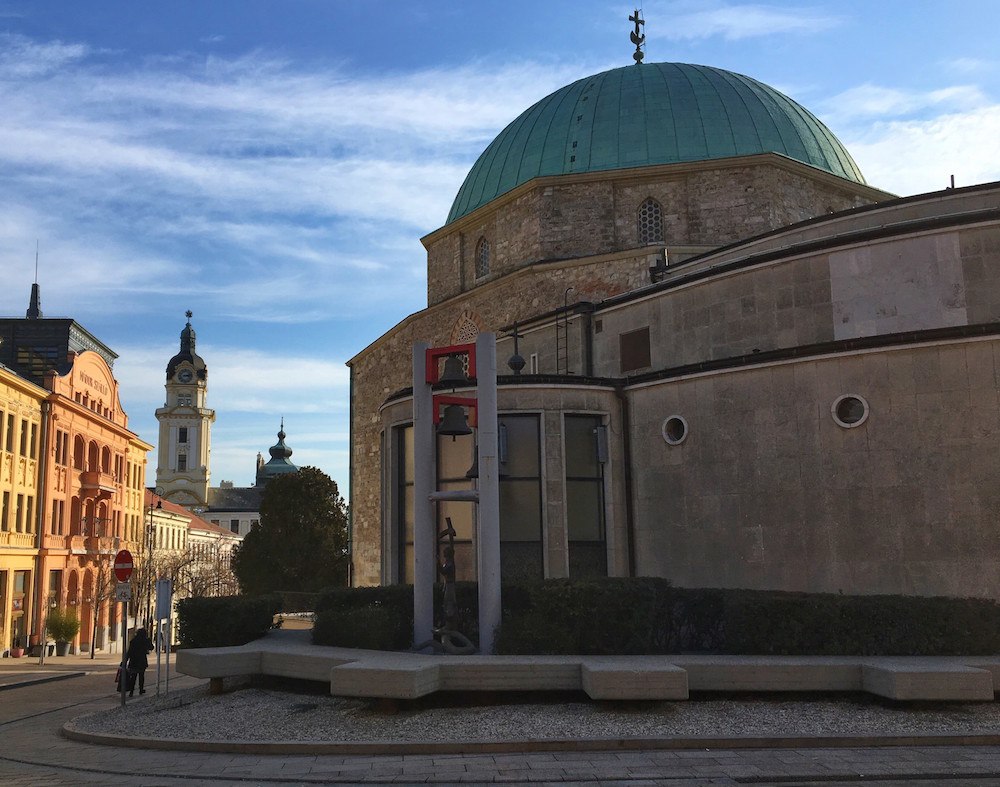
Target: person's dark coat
<point>136,659</point>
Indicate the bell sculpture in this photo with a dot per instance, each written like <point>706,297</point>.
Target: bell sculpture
<point>453,375</point>
<point>453,422</point>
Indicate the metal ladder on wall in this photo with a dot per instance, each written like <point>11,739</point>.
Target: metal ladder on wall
<point>562,336</point>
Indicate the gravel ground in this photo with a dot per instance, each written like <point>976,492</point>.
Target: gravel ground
<point>259,714</point>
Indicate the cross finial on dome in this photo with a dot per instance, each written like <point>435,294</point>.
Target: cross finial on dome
<point>189,314</point>
<point>637,37</point>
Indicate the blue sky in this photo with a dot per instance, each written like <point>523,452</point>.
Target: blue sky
<point>272,165</point>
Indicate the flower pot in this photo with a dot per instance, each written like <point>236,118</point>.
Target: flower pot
<point>61,647</point>
<point>16,653</point>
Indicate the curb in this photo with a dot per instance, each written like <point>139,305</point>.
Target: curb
<point>45,679</point>
<point>367,748</point>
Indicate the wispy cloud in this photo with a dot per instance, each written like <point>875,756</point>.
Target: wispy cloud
<point>248,176</point>
<point>971,65</point>
<point>739,21</point>
<point>876,101</point>
<point>913,156</point>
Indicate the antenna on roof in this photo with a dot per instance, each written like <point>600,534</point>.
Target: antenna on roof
<point>638,38</point>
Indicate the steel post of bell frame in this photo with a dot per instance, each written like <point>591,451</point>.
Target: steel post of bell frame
<point>488,534</point>
<point>424,532</point>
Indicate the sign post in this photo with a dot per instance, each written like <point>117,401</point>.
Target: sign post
<point>123,570</point>
<point>164,594</point>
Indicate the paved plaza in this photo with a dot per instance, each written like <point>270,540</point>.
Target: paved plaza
<point>34,752</point>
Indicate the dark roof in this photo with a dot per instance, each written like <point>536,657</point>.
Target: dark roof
<point>237,498</point>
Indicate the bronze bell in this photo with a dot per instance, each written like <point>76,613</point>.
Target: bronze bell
<point>454,422</point>
<point>473,472</point>
<point>453,374</point>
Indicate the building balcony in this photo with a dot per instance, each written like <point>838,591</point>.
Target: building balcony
<point>94,483</point>
<point>18,540</point>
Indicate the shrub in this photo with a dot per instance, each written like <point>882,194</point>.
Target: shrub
<point>62,624</point>
<point>592,617</point>
<point>384,614</point>
<point>368,617</point>
<point>648,615</point>
<point>218,621</point>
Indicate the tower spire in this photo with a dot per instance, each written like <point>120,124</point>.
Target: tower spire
<point>35,304</point>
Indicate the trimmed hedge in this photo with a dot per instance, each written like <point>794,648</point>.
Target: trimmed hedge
<point>646,615</point>
<point>218,621</point>
<point>381,618</point>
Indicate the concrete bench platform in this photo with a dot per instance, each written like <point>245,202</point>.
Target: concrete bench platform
<point>927,681</point>
<point>395,675</point>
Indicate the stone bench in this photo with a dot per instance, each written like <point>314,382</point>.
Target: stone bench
<point>360,673</point>
<point>928,681</point>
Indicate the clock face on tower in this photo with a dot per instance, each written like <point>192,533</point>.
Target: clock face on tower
<point>185,375</point>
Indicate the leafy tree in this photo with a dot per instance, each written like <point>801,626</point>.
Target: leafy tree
<point>301,541</point>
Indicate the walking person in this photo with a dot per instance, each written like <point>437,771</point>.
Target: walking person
<point>136,661</point>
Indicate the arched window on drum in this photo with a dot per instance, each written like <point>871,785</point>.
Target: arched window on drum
<point>482,258</point>
<point>650,222</point>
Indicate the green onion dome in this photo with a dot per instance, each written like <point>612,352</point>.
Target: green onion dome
<point>646,115</point>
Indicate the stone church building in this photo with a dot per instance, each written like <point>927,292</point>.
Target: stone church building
<point>744,366</point>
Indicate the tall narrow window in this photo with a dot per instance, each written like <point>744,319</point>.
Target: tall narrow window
<point>482,258</point>
<point>521,500</point>
<point>454,459</point>
<point>585,498</point>
<point>403,456</point>
<point>182,463</point>
<point>24,438</point>
<point>650,219</point>
<point>5,513</point>
<point>9,444</point>
<point>33,447</point>
<point>182,434</point>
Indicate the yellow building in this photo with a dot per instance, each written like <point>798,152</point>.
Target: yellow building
<point>21,406</point>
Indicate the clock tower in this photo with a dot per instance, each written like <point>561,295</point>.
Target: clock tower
<point>182,468</point>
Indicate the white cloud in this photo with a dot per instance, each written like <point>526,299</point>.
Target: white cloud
<point>740,21</point>
<point>914,156</point>
<point>876,101</point>
<point>971,65</point>
<point>22,58</point>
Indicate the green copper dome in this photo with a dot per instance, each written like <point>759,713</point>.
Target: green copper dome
<point>649,114</point>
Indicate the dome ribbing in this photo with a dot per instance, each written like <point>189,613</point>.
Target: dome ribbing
<point>646,115</point>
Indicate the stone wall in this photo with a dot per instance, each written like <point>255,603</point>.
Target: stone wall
<point>767,491</point>
<point>597,214</point>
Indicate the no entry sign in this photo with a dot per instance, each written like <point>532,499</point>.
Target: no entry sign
<point>123,565</point>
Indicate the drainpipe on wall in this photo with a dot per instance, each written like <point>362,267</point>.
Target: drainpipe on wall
<point>350,481</point>
<point>627,464</point>
<point>41,606</point>
<point>587,329</point>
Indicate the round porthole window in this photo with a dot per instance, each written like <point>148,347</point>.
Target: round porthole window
<point>849,410</point>
<point>674,430</point>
